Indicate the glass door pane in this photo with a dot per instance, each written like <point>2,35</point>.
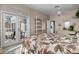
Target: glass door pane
<point>23,27</point>
<point>9,29</point>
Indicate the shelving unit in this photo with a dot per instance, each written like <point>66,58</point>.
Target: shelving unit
<point>38,26</point>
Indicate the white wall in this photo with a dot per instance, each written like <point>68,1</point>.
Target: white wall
<point>22,9</point>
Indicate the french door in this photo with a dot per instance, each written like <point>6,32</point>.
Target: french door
<point>14,28</point>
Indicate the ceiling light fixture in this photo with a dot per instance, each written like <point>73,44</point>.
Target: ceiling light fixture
<point>58,10</point>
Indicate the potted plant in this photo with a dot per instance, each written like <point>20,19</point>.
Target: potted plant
<point>71,28</point>
<point>77,14</point>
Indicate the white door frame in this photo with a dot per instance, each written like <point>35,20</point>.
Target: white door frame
<point>52,26</point>
<point>28,23</point>
<point>49,30</point>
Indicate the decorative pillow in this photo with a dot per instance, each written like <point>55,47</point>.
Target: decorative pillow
<point>58,47</point>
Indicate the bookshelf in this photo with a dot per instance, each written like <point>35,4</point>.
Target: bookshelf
<point>38,26</point>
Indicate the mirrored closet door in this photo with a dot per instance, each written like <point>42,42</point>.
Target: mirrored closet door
<point>9,29</point>
<point>14,28</point>
<point>23,27</point>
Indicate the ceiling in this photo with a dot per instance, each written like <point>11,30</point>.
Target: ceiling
<point>51,9</point>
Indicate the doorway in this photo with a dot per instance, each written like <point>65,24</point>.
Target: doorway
<point>52,26</point>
